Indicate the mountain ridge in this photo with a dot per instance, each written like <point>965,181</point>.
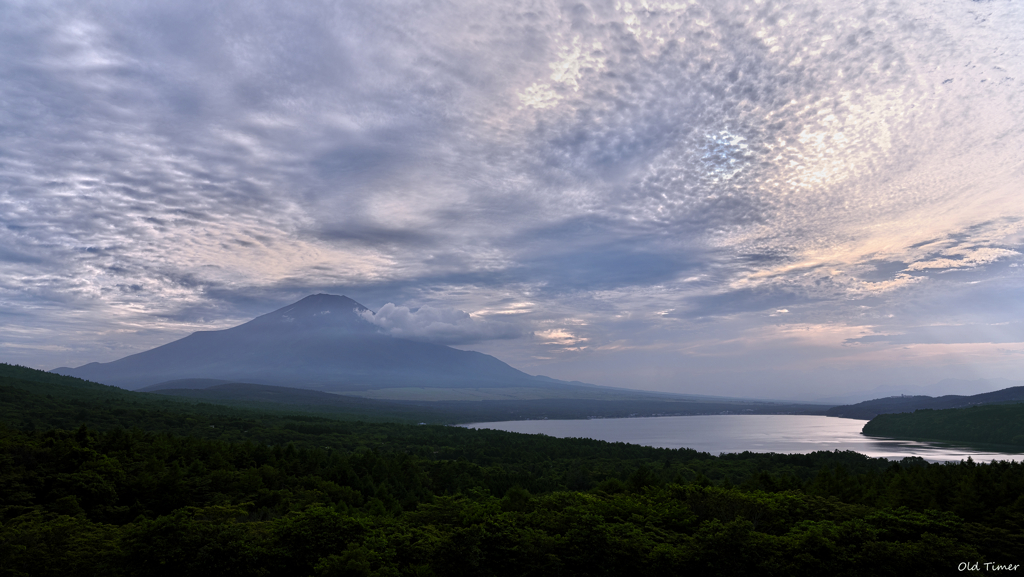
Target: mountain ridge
<point>319,342</point>
<point>908,404</point>
<point>947,386</point>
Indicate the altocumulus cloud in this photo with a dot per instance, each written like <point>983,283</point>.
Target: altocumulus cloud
<point>439,325</point>
<point>659,176</point>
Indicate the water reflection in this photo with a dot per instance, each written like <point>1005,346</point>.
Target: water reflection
<point>718,434</point>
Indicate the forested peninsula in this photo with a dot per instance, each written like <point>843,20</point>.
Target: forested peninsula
<point>99,481</point>
<point>987,424</point>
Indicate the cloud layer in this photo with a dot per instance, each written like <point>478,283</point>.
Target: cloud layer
<point>438,325</point>
<point>637,188</point>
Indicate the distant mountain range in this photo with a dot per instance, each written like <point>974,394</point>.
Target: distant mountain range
<point>944,387</point>
<point>908,404</point>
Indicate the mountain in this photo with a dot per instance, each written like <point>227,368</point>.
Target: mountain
<point>183,384</point>
<point>320,342</point>
<point>908,404</point>
<point>995,424</point>
<point>942,388</point>
<point>964,387</point>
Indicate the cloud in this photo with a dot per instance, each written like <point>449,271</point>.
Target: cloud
<point>1008,332</point>
<point>744,301</point>
<point>439,325</point>
<point>186,165</point>
<point>960,258</point>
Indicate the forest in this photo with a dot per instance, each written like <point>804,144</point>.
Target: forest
<point>1001,424</point>
<point>100,481</point>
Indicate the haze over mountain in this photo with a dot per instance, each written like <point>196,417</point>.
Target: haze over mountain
<point>323,342</point>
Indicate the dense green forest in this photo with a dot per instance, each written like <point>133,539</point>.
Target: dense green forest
<point>99,481</point>
<point>988,424</point>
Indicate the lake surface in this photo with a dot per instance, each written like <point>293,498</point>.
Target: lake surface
<point>718,434</point>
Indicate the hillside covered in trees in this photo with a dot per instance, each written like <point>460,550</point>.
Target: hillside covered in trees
<point>987,424</point>
<point>97,481</point>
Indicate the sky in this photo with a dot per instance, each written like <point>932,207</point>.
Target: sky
<point>789,199</point>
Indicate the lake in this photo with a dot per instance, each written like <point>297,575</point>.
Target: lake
<point>718,434</point>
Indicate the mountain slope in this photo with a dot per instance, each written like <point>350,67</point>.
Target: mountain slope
<point>908,404</point>
<point>997,424</point>
<point>320,342</point>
